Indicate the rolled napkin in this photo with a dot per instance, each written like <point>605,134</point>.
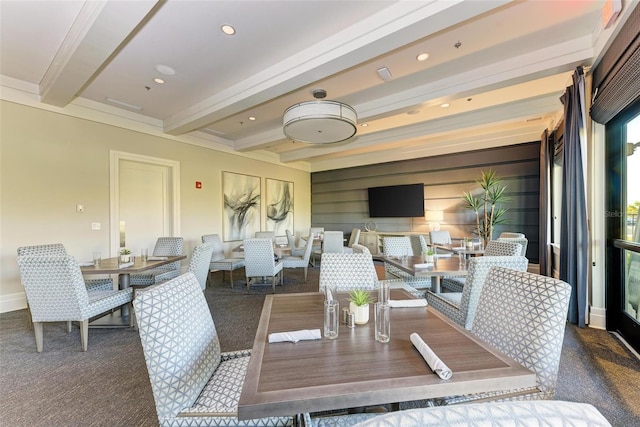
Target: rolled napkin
<point>420,302</point>
<point>425,265</point>
<point>434,362</point>
<point>86,264</point>
<point>295,336</point>
<point>157,258</point>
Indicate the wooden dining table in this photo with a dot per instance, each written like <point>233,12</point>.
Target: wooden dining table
<point>445,266</point>
<point>355,370</point>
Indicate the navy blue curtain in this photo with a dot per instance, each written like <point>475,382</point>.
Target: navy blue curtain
<point>574,236</point>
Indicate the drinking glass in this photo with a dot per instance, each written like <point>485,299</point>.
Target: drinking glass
<point>382,316</point>
<point>144,254</point>
<point>383,292</point>
<point>331,318</point>
<point>97,257</point>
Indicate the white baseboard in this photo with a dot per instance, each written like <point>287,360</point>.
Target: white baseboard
<point>13,302</point>
<point>597,318</point>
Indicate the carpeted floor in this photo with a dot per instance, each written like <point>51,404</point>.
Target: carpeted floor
<point>108,385</point>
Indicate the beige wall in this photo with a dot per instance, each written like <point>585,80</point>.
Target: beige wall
<point>50,162</point>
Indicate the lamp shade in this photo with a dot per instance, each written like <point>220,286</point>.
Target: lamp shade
<point>434,215</point>
<point>320,122</point>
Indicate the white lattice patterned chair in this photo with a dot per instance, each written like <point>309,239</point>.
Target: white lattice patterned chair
<point>494,248</point>
<point>523,315</point>
<point>523,241</point>
<point>507,234</point>
<point>165,246</point>
<point>56,292</point>
<point>199,263</point>
<point>461,306</point>
<point>354,238</point>
<point>193,382</point>
<point>399,246</point>
<point>439,237</point>
<point>536,413</point>
<point>219,261</point>
<point>259,261</point>
<point>293,261</point>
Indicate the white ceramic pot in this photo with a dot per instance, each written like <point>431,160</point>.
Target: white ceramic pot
<point>361,313</point>
<point>429,259</point>
<point>125,258</point>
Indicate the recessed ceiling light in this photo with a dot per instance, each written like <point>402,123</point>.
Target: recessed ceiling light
<point>158,80</point>
<point>165,69</point>
<point>228,30</point>
<point>445,105</point>
<point>422,57</point>
<point>252,118</point>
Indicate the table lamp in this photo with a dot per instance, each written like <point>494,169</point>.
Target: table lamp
<point>434,218</point>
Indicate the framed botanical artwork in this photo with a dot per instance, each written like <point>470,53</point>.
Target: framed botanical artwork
<point>279,200</point>
<point>241,210</point>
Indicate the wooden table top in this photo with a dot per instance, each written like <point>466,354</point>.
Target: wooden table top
<point>110,265</point>
<point>446,266</point>
<point>354,370</point>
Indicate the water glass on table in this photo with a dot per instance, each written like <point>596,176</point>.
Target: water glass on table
<point>382,316</point>
<point>331,318</point>
<point>383,291</point>
<point>97,257</point>
<point>144,254</point>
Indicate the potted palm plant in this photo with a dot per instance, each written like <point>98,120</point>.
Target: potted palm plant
<point>359,301</point>
<point>487,205</point>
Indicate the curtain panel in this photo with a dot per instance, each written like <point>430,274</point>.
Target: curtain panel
<point>574,256</point>
<point>545,203</point>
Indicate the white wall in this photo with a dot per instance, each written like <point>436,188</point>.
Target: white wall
<point>50,161</point>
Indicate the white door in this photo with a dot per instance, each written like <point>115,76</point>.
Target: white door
<point>145,202</point>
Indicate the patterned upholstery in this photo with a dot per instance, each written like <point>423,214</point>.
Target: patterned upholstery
<point>293,261</point>
<point>56,292</point>
<point>58,249</point>
<point>501,248</point>
<point>344,272</point>
<point>514,308</point>
<point>418,244</point>
<point>399,246</point>
<point>193,382</point>
<point>461,306</point>
<point>259,261</point>
<point>523,241</point>
<point>218,259</point>
<point>440,237</point>
<point>541,413</point>
<point>199,263</point>
<point>511,235</point>
<point>165,246</point>
<point>354,238</point>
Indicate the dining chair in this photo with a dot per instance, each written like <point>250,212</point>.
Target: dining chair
<point>354,238</point>
<point>360,249</point>
<point>503,248</point>
<point>514,308</point>
<point>461,306</point>
<point>56,292</point>
<point>265,235</point>
<point>165,246</point>
<point>199,263</point>
<point>398,246</point>
<point>332,243</point>
<point>539,413</point>
<point>291,241</point>
<point>193,382</point>
<point>523,241</point>
<point>219,261</point>
<point>345,272</point>
<point>294,261</point>
<point>508,235</point>
<point>260,262</point>
<point>440,237</point>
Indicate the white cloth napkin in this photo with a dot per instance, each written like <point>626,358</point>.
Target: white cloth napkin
<point>86,264</point>
<point>157,258</point>
<point>295,336</point>
<point>425,265</point>
<point>431,358</point>
<point>420,302</point>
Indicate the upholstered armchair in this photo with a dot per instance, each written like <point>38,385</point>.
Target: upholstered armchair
<point>198,385</point>
<point>332,242</point>
<point>440,237</point>
<point>199,263</point>
<point>345,272</point>
<point>503,248</point>
<point>259,262</point>
<point>56,292</point>
<point>461,306</point>
<point>293,261</point>
<point>165,246</point>
<point>291,241</point>
<point>523,241</point>
<point>219,261</point>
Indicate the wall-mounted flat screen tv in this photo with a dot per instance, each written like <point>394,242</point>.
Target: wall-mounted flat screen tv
<point>396,201</point>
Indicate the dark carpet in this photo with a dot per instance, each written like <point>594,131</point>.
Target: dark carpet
<point>108,385</point>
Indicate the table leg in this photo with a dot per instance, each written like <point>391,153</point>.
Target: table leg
<point>124,283</point>
<point>435,284</point>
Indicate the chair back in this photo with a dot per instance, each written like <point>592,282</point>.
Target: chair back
<point>265,235</point>
<point>52,249</point>
<point>354,237</point>
<point>344,272</point>
<point>174,319</point>
<point>511,235</point>
<point>522,241</point>
<point>418,244</point>
<point>169,246</point>
<point>55,288</point>
<point>259,257</point>
<point>199,263</point>
<point>397,246</point>
<point>291,239</point>
<point>218,250</point>
<point>440,237</point>
<point>515,306</point>
<point>476,278</point>
<point>361,249</point>
<point>308,248</point>
<point>500,248</point>
<point>332,242</point>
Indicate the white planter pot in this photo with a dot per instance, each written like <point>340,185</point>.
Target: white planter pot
<point>429,259</point>
<point>125,258</point>
<point>361,313</point>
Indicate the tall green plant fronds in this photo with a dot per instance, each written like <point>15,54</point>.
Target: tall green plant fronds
<point>486,205</point>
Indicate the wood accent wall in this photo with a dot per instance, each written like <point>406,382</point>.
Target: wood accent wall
<point>339,197</point>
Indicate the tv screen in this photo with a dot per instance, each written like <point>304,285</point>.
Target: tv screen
<point>396,201</point>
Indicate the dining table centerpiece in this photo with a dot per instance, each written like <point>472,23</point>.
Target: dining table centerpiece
<point>125,255</point>
<point>359,300</point>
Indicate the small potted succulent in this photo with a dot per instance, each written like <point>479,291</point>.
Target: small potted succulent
<point>125,255</point>
<point>429,255</point>
<point>359,301</point>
